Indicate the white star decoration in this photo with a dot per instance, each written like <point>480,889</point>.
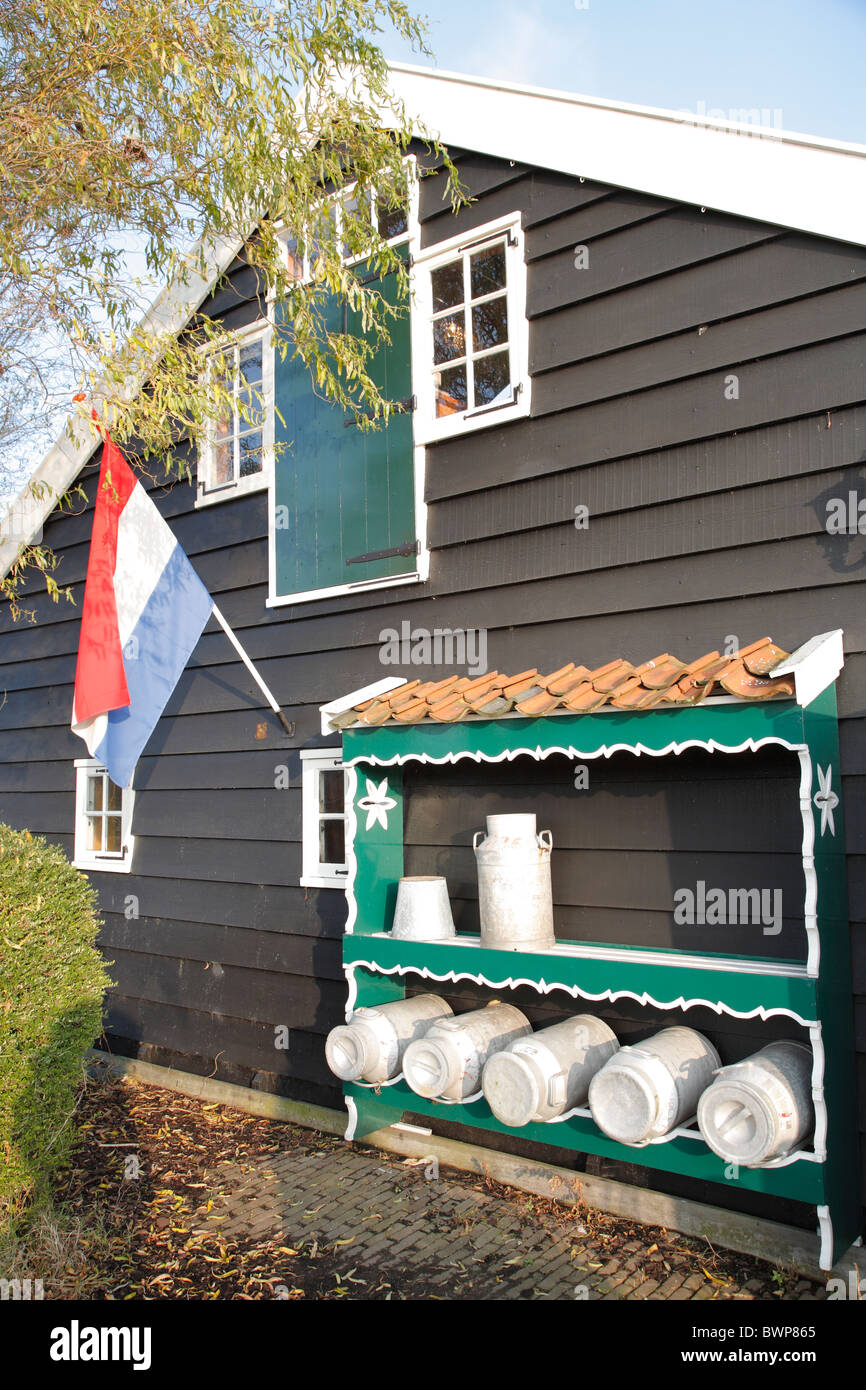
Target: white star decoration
<point>377,803</point>
<point>825,799</point>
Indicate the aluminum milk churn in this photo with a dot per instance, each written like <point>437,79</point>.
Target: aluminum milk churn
<point>515,901</point>
<point>448,1061</point>
<point>541,1077</point>
<point>760,1108</point>
<point>371,1046</point>
<point>647,1090</point>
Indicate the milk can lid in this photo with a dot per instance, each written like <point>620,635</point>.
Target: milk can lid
<point>511,1088</point>
<point>623,1103</point>
<point>345,1052</point>
<point>426,1067</point>
<point>737,1122</point>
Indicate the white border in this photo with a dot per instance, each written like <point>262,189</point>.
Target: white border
<point>262,330</point>
<point>428,429</point>
<point>104,863</point>
<point>313,872</point>
<point>420,570</point>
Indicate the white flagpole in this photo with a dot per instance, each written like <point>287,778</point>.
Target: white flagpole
<point>289,728</point>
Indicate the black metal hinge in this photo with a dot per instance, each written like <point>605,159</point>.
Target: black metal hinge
<point>410,548</point>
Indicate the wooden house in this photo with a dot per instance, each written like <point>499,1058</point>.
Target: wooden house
<point>632,453</point>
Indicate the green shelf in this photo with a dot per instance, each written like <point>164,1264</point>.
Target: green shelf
<point>741,987</point>
<point>801,1180</point>
<point>815,993</point>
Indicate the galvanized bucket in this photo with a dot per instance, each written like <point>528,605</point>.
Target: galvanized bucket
<point>761,1108</point>
<point>422,911</point>
<point>515,899</point>
<point>371,1045</point>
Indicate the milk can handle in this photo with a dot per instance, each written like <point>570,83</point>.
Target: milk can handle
<point>475,838</point>
<point>548,843</point>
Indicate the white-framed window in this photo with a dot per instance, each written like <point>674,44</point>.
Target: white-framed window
<point>324,818</point>
<point>103,819</point>
<point>236,455</point>
<point>469,333</point>
<point>394,225</point>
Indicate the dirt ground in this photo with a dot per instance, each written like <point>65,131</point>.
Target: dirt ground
<point>137,1215</point>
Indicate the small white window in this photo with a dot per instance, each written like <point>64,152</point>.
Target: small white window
<point>324,819</point>
<point>469,332</point>
<point>237,453</point>
<point>103,819</point>
<point>393,224</point>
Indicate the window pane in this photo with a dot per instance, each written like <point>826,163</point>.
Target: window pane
<point>250,446</point>
<point>250,385</point>
<point>113,839</point>
<point>392,221</point>
<point>115,795</point>
<point>251,364</point>
<point>451,391</point>
<point>223,467</point>
<point>449,337</point>
<point>489,324</point>
<point>332,842</point>
<point>492,379</point>
<point>331,792</point>
<point>94,791</point>
<point>294,259</point>
<point>225,426</point>
<point>356,210</point>
<point>321,230</point>
<point>94,833</point>
<point>487,271</point>
<point>447,284</point>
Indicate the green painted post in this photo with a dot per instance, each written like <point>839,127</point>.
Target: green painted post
<point>835,1007</point>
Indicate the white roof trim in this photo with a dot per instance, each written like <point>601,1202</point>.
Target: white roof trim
<point>356,697</point>
<point>769,175</point>
<point>814,665</point>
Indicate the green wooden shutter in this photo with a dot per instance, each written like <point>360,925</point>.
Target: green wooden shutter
<point>341,492</point>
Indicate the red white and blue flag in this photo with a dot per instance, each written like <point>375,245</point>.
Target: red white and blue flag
<point>143,613</point>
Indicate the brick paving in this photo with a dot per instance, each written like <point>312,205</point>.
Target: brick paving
<point>406,1229</point>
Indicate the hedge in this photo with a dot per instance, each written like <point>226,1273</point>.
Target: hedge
<point>52,980</point>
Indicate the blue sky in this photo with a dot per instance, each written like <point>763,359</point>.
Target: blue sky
<point>798,58</point>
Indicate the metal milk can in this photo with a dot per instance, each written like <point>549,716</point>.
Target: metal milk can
<point>761,1108</point>
<point>515,900</point>
<point>542,1076</point>
<point>449,1059</point>
<point>371,1045</point>
<point>648,1088</point>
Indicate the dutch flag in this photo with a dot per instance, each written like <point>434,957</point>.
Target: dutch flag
<point>144,610</point>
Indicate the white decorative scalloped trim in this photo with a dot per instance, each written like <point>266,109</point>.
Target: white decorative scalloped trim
<point>810,903</point>
<point>509,754</point>
<point>545,987</point>
<point>825,1232</point>
<point>818,1098</point>
<point>351,861</point>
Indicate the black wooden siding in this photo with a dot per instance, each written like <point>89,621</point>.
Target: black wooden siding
<point>707,520</point>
